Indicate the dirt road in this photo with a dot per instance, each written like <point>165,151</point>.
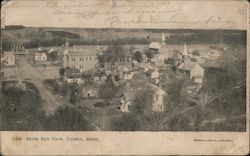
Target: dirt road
<point>28,72</point>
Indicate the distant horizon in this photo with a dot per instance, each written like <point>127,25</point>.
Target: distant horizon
<point>69,27</point>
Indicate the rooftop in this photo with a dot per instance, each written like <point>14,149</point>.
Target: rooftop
<point>81,52</point>
<point>39,53</point>
<point>154,45</point>
<point>188,65</point>
<point>8,53</point>
<point>72,71</point>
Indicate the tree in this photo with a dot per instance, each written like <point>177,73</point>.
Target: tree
<point>126,122</point>
<point>138,56</point>
<point>107,91</point>
<point>131,48</point>
<point>171,61</point>
<point>175,91</point>
<point>53,56</point>
<point>196,53</point>
<point>53,84</point>
<point>149,54</point>
<point>115,51</point>
<point>61,71</point>
<point>21,110</point>
<point>74,93</point>
<point>68,118</point>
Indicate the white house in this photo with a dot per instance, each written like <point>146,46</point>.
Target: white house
<point>158,99</point>
<point>135,63</point>
<point>145,67</point>
<point>158,60</point>
<point>144,58</point>
<point>8,59</point>
<point>214,54</point>
<point>191,70</point>
<point>126,98</point>
<point>153,74</point>
<point>40,56</point>
<point>128,75</point>
<point>125,73</point>
<point>51,50</point>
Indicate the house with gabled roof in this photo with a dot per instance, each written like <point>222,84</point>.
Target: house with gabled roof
<point>79,58</point>
<point>158,97</point>
<point>153,74</point>
<point>73,76</point>
<point>129,95</point>
<point>40,56</point>
<point>8,58</point>
<point>127,98</point>
<point>155,46</point>
<point>100,76</point>
<point>191,70</point>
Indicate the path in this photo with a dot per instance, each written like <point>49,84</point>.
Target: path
<point>27,71</point>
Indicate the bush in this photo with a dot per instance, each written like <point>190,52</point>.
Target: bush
<point>68,118</point>
<point>53,84</point>
<point>196,53</point>
<point>21,110</point>
<point>61,71</point>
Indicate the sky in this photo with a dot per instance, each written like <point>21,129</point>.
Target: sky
<point>190,14</point>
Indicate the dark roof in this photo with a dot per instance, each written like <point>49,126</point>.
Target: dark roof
<point>73,76</point>
<point>188,65</point>
<point>72,72</point>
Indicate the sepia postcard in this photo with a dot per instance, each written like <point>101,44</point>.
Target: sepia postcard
<point>124,77</point>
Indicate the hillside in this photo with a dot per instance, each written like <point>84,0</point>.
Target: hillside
<point>32,37</point>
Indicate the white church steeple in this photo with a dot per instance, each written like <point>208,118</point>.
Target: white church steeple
<point>185,50</point>
<point>163,40</point>
<point>163,50</point>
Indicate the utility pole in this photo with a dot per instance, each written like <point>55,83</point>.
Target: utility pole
<point>104,116</point>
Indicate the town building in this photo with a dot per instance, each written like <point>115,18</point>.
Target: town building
<point>214,54</point>
<point>135,63</point>
<point>124,73</point>
<point>191,70</point>
<point>153,74</point>
<point>144,58</point>
<point>183,56</point>
<point>154,47</point>
<point>100,76</point>
<point>129,94</point>
<point>40,56</point>
<point>79,59</point>
<point>18,49</point>
<point>51,50</point>
<point>162,53</point>
<point>158,97</point>
<point>73,76</point>
<point>145,67</point>
<point>112,63</point>
<point>89,93</point>
<point>186,56</point>
<point>8,58</point>
<point>126,98</point>
<point>128,75</point>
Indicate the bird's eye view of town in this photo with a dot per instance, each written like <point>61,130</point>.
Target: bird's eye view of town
<point>122,79</point>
